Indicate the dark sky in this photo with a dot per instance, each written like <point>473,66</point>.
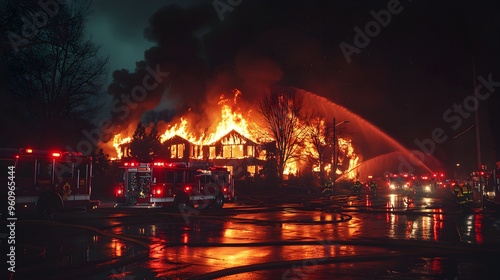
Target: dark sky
<point>410,72</point>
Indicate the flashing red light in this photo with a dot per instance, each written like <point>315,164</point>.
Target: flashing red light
<point>17,156</point>
<point>29,151</point>
<point>56,154</point>
<point>224,189</point>
<point>126,164</point>
<point>482,173</point>
<point>158,191</point>
<point>158,164</point>
<point>187,188</point>
<point>119,191</point>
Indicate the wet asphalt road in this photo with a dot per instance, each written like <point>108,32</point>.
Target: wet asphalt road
<point>300,237</point>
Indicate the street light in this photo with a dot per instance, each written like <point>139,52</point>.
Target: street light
<point>334,159</point>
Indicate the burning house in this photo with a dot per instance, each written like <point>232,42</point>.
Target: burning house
<point>238,153</point>
<point>228,138</point>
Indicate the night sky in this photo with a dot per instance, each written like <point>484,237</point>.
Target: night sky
<point>404,77</point>
<point>403,80</point>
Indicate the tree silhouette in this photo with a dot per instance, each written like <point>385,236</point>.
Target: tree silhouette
<point>53,70</point>
<point>145,147</point>
<point>320,135</point>
<point>100,163</point>
<point>154,140</point>
<point>281,109</point>
<point>269,171</point>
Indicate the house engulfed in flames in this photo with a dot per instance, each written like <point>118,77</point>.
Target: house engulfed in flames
<point>242,156</point>
<point>235,143</point>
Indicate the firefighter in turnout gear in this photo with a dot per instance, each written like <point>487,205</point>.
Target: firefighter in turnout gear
<point>463,193</point>
<point>328,190</point>
<point>373,187</point>
<point>356,189</point>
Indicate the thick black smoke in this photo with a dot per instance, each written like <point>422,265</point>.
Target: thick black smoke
<point>414,69</point>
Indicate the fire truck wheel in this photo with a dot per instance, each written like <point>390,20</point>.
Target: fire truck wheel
<point>48,206</point>
<point>218,202</point>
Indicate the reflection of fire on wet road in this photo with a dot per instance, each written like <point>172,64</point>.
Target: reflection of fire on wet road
<point>250,241</point>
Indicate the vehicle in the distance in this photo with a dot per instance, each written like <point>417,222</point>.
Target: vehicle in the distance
<point>398,182</point>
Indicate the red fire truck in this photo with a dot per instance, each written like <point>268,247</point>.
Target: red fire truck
<point>488,183</point>
<point>398,182</point>
<point>46,182</point>
<point>198,185</point>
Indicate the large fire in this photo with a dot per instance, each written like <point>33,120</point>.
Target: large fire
<point>232,118</point>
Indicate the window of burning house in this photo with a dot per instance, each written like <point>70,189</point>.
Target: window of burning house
<point>251,169</point>
<point>232,151</point>
<point>250,151</point>
<point>212,152</point>
<point>196,151</point>
<point>177,151</point>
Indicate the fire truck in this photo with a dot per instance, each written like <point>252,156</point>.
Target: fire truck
<point>488,183</point>
<point>46,182</point>
<point>199,185</point>
<point>398,182</point>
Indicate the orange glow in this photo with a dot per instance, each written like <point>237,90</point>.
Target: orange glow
<point>118,141</point>
<point>229,118</point>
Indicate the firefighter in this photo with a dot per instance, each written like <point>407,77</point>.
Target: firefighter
<point>457,190</point>
<point>409,192</point>
<point>328,190</point>
<point>467,192</point>
<point>463,193</point>
<point>373,187</point>
<point>356,188</point>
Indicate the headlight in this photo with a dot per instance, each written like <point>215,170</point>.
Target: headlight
<point>392,186</point>
<point>427,188</point>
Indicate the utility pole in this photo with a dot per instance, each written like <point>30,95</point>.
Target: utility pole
<point>482,182</point>
<point>476,120</point>
<point>334,151</point>
<point>334,159</point>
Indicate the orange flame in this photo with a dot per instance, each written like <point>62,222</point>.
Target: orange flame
<point>117,142</point>
<point>232,119</point>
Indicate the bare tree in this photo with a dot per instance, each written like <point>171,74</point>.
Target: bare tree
<point>320,135</point>
<point>54,70</point>
<point>281,109</point>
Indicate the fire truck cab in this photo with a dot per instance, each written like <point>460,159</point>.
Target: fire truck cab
<point>46,182</point>
<point>175,184</point>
